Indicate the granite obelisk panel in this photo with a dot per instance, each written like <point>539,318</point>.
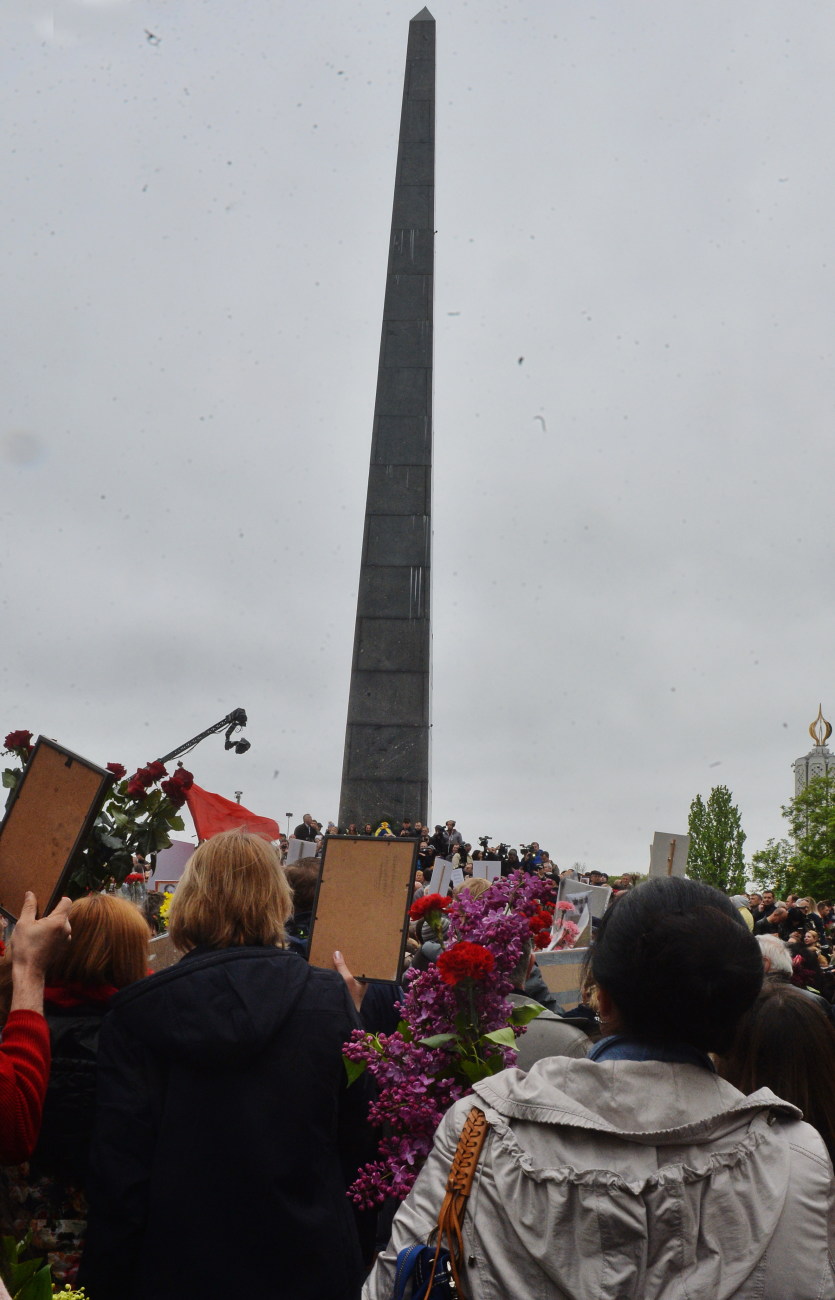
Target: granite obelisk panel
<point>385,772</point>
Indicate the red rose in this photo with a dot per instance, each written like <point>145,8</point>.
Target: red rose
<point>156,770</point>
<point>429,903</point>
<point>18,740</point>
<point>183,777</point>
<point>136,788</point>
<point>173,791</point>
<point>117,770</point>
<point>465,961</point>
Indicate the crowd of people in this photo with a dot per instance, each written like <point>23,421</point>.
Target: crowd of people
<point>192,1132</point>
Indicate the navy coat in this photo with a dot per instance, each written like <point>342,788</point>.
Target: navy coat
<point>225,1135</point>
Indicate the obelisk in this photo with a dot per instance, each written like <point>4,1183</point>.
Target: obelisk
<point>385,773</point>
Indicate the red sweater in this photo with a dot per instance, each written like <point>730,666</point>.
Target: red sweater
<point>25,1058</point>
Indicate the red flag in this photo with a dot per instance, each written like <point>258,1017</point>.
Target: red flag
<point>211,814</point>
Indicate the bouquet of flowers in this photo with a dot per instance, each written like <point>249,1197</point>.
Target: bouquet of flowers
<point>457,1024</point>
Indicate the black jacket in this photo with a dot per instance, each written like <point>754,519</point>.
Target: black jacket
<point>69,1107</point>
<point>225,1135</point>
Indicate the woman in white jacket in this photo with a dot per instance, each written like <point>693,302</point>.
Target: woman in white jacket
<point>638,1172</point>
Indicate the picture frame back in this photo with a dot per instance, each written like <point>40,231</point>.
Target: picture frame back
<point>51,812</point>
<point>362,905</point>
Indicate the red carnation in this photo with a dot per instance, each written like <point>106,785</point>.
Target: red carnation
<point>117,770</point>
<point>429,903</point>
<point>540,920</point>
<point>542,939</point>
<point>134,877</point>
<point>465,961</point>
<point>19,740</point>
<point>173,790</point>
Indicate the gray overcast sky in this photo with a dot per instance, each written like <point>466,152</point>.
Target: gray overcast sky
<point>632,594</point>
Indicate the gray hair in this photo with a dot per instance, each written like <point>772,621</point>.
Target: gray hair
<point>777,953</point>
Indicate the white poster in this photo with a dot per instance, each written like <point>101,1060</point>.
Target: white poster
<point>439,880</point>
<point>300,849</point>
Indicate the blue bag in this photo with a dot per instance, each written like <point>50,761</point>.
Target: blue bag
<point>414,1267</point>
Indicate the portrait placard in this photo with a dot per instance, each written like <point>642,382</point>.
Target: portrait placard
<point>52,810</point>
<point>668,854</point>
<point>598,895</point>
<point>362,905</point>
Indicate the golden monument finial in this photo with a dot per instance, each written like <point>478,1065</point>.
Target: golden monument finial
<point>820,730</point>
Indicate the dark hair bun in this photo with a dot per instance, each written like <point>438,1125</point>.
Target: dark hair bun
<point>679,963</point>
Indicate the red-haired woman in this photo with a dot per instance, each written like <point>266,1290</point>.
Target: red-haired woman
<point>109,950</point>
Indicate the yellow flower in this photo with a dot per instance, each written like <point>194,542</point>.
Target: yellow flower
<point>165,909</point>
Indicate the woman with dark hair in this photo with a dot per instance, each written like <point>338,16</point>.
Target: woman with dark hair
<point>638,1171</point>
<point>225,1134</point>
<point>786,1043</point>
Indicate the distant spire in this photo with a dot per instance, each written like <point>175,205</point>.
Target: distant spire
<point>820,730</point>
<point>423,17</point>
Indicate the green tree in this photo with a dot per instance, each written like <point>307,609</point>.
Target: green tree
<point>775,867</point>
<point>811,816</point>
<point>716,840</point>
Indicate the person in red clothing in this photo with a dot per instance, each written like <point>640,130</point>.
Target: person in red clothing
<point>25,1056</point>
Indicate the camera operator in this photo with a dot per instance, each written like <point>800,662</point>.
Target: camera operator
<point>531,857</point>
<point>510,861</point>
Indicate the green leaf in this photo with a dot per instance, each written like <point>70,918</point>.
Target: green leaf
<point>436,1040</point>
<point>8,1256</point>
<point>176,823</point>
<point>474,1070</point>
<point>504,1037</point>
<point>37,1288</point>
<point>354,1069</point>
<point>21,1273</point>
<point>404,1029</point>
<point>525,1014</point>
<point>162,840</point>
<point>10,779</point>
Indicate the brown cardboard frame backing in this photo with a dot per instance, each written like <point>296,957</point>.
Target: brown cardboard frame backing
<point>51,813</point>
<point>362,905</point>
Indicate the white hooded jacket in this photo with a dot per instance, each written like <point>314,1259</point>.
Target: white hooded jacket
<point>631,1180</point>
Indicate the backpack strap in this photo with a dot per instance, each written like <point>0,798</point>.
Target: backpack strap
<point>458,1186</point>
